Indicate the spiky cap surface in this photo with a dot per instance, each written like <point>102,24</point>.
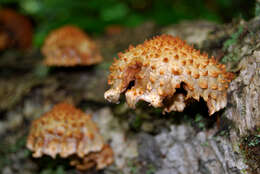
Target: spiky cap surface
<point>67,131</point>
<point>160,66</point>
<point>64,130</point>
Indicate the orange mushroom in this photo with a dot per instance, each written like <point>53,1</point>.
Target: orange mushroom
<point>154,70</point>
<point>70,46</point>
<point>15,30</point>
<point>68,132</point>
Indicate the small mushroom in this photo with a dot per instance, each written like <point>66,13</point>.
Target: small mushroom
<point>70,46</point>
<point>166,72</point>
<point>15,30</point>
<point>68,132</point>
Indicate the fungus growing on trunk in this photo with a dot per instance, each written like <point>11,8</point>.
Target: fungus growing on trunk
<point>15,30</point>
<point>70,46</point>
<point>159,67</point>
<point>68,132</point>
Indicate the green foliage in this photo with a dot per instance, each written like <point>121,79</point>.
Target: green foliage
<point>117,12</point>
<point>94,15</point>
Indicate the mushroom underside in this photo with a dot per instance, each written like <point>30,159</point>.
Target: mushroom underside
<point>98,159</point>
<point>176,101</point>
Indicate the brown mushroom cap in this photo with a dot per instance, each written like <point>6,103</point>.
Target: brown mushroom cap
<point>70,46</point>
<point>160,66</point>
<point>15,30</point>
<point>67,131</point>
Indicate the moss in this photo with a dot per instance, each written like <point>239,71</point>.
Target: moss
<point>12,148</point>
<point>233,55</point>
<point>254,141</point>
<point>4,161</point>
<point>250,146</point>
<point>200,121</point>
<point>224,133</point>
<point>41,71</point>
<point>234,38</point>
<point>6,149</point>
<point>151,169</point>
<point>136,122</point>
<point>134,169</point>
<point>205,144</point>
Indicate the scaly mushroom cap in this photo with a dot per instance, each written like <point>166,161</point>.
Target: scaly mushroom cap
<point>70,46</point>
<point>67,131</point>
<point>154,70</point>
<point>15,30</point>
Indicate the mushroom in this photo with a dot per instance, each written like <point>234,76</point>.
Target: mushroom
<point>166,72</point>
<point>68,132</point>
<point>15,30</point>
<point>70,46</point>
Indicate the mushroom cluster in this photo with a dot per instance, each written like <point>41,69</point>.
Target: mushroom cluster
<point>15,30</point>
<point>166,72</point>
<point>70,46</point>
<point>68,132</point>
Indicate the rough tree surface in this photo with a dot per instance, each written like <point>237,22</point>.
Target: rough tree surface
<point>144,141</point>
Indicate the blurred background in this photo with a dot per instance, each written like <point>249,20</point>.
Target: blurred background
<point>97,16</point>
<point>29,88</point>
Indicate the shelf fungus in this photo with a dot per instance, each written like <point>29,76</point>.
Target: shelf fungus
<point>167,73</point>
<point>70,46</point>
<point>68,132</point>
<point>15,30</point>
